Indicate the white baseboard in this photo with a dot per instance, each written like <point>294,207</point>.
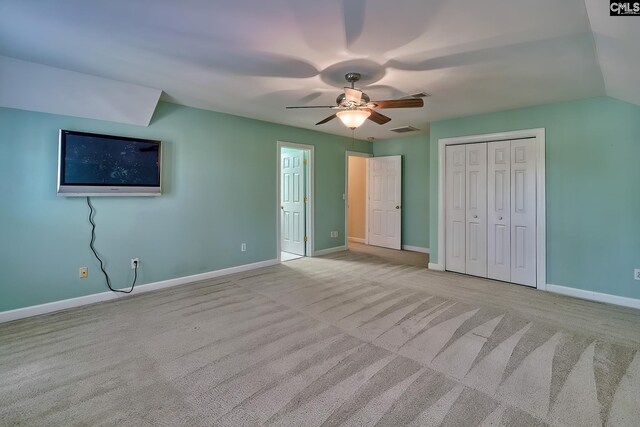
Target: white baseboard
<point>416,249</point>
<point>594,296</point>
<point>20,313</point>
<point>357,240</point>
<point>435,266</point>
<point>330,250</point>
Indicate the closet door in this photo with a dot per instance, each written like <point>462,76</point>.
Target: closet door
<point>455,213</point>
<point>476,216</point>
<point>523,212</point>
<point>499,210</point>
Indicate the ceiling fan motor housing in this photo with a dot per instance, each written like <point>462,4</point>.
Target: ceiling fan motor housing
<point>364,100</point>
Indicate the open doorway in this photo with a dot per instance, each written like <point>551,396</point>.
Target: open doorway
<point>373,216</point>
<point>356,198</point>
<point>295,201</point>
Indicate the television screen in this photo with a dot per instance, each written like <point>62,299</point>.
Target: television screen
<point>94,164</point>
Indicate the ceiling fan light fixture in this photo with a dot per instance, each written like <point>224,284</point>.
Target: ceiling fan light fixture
<point>353,118</point>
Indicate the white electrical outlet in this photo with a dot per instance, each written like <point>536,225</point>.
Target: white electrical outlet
<point>135,263</point>
<point>636,274</point>
<point>243,247</point>
<point>334,234</point>
<point>84,272</point>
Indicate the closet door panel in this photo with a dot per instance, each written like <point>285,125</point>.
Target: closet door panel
<point>499,210</point>
<point>523,212</point>
<point>476,215</point>
<point>455,200</point>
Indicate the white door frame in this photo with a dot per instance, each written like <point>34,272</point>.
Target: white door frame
<point>310,226</point>
<point>348,154</point>
<point>541,235</point>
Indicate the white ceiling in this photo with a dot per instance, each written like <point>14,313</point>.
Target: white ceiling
<point>254,57</point>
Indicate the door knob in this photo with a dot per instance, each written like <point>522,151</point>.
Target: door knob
<point>397,207</point>
<point>475,216</point>
<point>500,218</point>
<point>281,207</point>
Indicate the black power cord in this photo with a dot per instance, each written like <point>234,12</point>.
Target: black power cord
<point>93,239</point>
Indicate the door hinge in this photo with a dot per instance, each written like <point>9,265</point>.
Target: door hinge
<point>304,162</point>
<point>305,200</point>
<point>305,239</point>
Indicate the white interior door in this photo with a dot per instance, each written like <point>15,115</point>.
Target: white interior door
<point>292,215</point>
<point>523,212</point>
<point>499,210</point>
<point>455,205</point>
<point>385,189</point>
<point>476,216</point>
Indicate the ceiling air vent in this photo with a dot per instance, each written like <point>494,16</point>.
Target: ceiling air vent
<point>404,129</point>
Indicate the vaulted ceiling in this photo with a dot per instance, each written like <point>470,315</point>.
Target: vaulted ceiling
<point>253,57</point>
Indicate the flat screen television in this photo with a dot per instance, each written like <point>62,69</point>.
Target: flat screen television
<point>91,164</point>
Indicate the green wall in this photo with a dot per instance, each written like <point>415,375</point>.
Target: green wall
<point>219,179</point>
<point>415,182</point>
<point>219,182</point>
<point>592,188</point>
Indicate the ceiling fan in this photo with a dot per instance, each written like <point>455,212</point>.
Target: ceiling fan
<point>356,107</point>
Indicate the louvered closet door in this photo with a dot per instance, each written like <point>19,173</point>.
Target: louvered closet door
<point>455,207</point>
<point>499,210</point>
<point>523,212</point>
<point>476,216</point>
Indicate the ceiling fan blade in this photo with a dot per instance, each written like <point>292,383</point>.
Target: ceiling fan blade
<point>312,106</point>
<point>397,103</point>
<point>331,117</point>
<point>377,117</point>
<point>352,95</point>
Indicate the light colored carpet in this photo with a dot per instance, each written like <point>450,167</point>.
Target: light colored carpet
<point>348,339</point>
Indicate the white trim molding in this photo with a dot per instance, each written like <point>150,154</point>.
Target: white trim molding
<point>357,240</point>
<point>35,310</point>
<point>416,249</point>
<point>541,227</point>
<point>594,296</point>
<point>331,250</point>
<point>435,266</point>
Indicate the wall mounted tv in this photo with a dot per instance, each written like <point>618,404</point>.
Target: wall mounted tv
<point>91,164</point>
